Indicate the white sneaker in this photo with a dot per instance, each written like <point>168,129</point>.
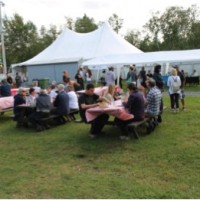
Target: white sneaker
<point>123,137</point>
<point>92,136</point>
<point>173,110</point>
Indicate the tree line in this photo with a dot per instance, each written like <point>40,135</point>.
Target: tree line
<point>174,29</point>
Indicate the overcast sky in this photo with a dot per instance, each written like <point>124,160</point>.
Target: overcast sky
<point>45,12</point>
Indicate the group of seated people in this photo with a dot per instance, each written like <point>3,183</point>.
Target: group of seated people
<point>62,100</point>
<point>138,103</point>
<point>31,109</point>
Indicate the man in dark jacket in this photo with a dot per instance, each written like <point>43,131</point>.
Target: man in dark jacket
<point>5,89</point>
<point>19,112</point>
<point>61,103</point>
<point>158,77</point>
<point>160,84</point>
<point>135,106</point>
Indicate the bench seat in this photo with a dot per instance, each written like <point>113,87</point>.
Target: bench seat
<point>2,111</point>
<point>132,127</point>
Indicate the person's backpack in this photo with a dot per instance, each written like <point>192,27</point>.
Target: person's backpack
<point>175,85</point>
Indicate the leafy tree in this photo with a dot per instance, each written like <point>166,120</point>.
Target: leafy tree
<point>85,24</point>
<point>153,27</point>
<point>69,23</point>
<point>115,22</point>
<point>19,39</point>
<point>133,37</point>
<point>173,29</point>
<point>46,37</point>
<point>193,38</point>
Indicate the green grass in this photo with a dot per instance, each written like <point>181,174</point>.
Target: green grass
<point>63,162</point>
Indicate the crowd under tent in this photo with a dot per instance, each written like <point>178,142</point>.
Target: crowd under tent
<point>188,60</point>
<point>69,51</point>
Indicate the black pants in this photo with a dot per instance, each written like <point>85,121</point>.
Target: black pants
<point>174,99</point>
<point>98,124</point>
<point>21,116</point>
<point>35,118</point>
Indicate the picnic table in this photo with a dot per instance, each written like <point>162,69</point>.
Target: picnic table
<point>116,110</point>
<point>6,104</point>
<point>101,90</point>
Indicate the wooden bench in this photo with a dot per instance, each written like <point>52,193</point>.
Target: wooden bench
<point>132,127</point>
<point>149,122</point>
<point>6,110</point>
<point>70,116</point>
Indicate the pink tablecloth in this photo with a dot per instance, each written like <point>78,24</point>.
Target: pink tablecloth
<point>116,110</point>
<point>6,102</point>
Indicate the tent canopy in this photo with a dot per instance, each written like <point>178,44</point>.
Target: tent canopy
<point>71,46</point>
<point>147,58</point>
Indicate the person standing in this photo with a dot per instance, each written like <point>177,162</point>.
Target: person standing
<point>182,92</point>
<point>131,76</point>
<point>88,75</point>
<point>80,78</point>
<point>102,79</point>
<point>158,77</point>
<point>65,76</point>
<point>142,77</point>
<point>174,84</point>
<point>160,84</point>
<point>18,80</point>
<point>149,74</point>
<point>110,76</point>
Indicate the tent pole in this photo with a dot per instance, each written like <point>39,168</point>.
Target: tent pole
<point>167,68</point>
<point>118,75</point>
<point>97,77</point>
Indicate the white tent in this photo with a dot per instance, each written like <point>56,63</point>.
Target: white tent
<point>187,59</point>
<point>147,58</point>
<point>71,46</point>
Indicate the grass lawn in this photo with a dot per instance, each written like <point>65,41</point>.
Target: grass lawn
<point>63,162</point>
